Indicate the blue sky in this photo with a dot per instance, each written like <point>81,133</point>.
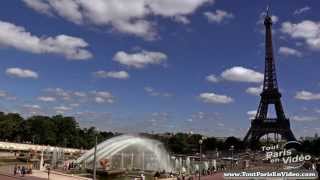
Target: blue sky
<point>158,65</point>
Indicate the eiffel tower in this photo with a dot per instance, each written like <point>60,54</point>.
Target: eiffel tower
<point>262,125</point>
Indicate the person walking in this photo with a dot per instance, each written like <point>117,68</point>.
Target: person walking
<point>48,172</point>
<point>143,177</point>
<point>15,170</point>
<point>19,171</point>
<point>23,171</point>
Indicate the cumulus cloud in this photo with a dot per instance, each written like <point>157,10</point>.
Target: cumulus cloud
<point>256,91</point>
<point>304,118</point>
<point>62,108</point>
<point>152,92</point>
<point>17,37</point>
<point>181,19</point>
<point>242,74</point>
<point>78,97</point>
<point>307,30</point>
<point>215,98</point>
<point>125,16</point>
<point>112,74</point>
<point>46,99</point>
<point>39,5</point>
<point>307,96</point>
<point>212,78</point>
<point>59,93</point>
<point>30,109</point>
<point>301,10</point>
<point>140,59</point>
<point>7,96</point>
<point>32,106</point>
<point>80,94</point>
<point>218,16</point>
<point>252,114</point>
<point>103,97</point>
<point>21,73</point>
<point>289,51</point>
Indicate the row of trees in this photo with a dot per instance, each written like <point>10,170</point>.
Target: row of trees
<point>183,143</point>
<point>55,131</point>
<point>65,131</point>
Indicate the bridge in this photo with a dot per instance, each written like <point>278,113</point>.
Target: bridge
<point>9,146</point>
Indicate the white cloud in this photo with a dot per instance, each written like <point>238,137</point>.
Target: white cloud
<point>102,97</point>
<point>3,93</point>
<point>32,106</point>
<point>304,118</point>
<point>289,51</point>
<point>181,19</point>
<point>301,10</point>
<point>215,98</point>
<point>46,99</point>
<point>218,16</point>
<point>256,91</point>
<point>68,9</point>
<point>17,37</point>
<point>31,109</point>
<point>274,19</point>
<point>125,16</point>
<point>220,124</point>
<point>307,96</point>
<point>60,93</point>
<point>74,105</point>
<point>152,92</point>
<point>307,30</point>
<point>6,95</point>
<point>39,5</point>
<point>140,59</point>
<point>21,73</point>
<point>148,89</point>
<point>212,78</point>
<point>112,74</point>
<point>242,74</point>
<point>252,113</point>
<point>62,108</point>
<point>80,94</point>
<point>78,97</point>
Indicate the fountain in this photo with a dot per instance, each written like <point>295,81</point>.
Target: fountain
<point>129,152</point>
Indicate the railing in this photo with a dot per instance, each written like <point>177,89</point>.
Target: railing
<point>27,147</point>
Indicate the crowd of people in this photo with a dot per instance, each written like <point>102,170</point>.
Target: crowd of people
<point>21,170</point>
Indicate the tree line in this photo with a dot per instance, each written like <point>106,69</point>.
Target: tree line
<point>64,131</point>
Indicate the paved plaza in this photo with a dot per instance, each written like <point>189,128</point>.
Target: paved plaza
<point>43,176</point>
<point>10,177</point>
<point>40,175</point>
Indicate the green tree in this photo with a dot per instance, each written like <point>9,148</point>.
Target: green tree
<point>10,124</point>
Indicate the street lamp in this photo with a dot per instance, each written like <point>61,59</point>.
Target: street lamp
<point>95,157</point>
<point>200,143</point>
<point>231,149</point>
<point>200,165</point>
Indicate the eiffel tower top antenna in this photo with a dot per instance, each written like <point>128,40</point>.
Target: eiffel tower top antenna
<point>268,10</point>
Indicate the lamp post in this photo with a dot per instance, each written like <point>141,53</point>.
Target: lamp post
<point>231,149</point>
<point>200,143</point>
<point>95,158</point>
<point>200,165</point>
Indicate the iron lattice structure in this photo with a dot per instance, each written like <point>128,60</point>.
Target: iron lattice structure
<point>262,125</point>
